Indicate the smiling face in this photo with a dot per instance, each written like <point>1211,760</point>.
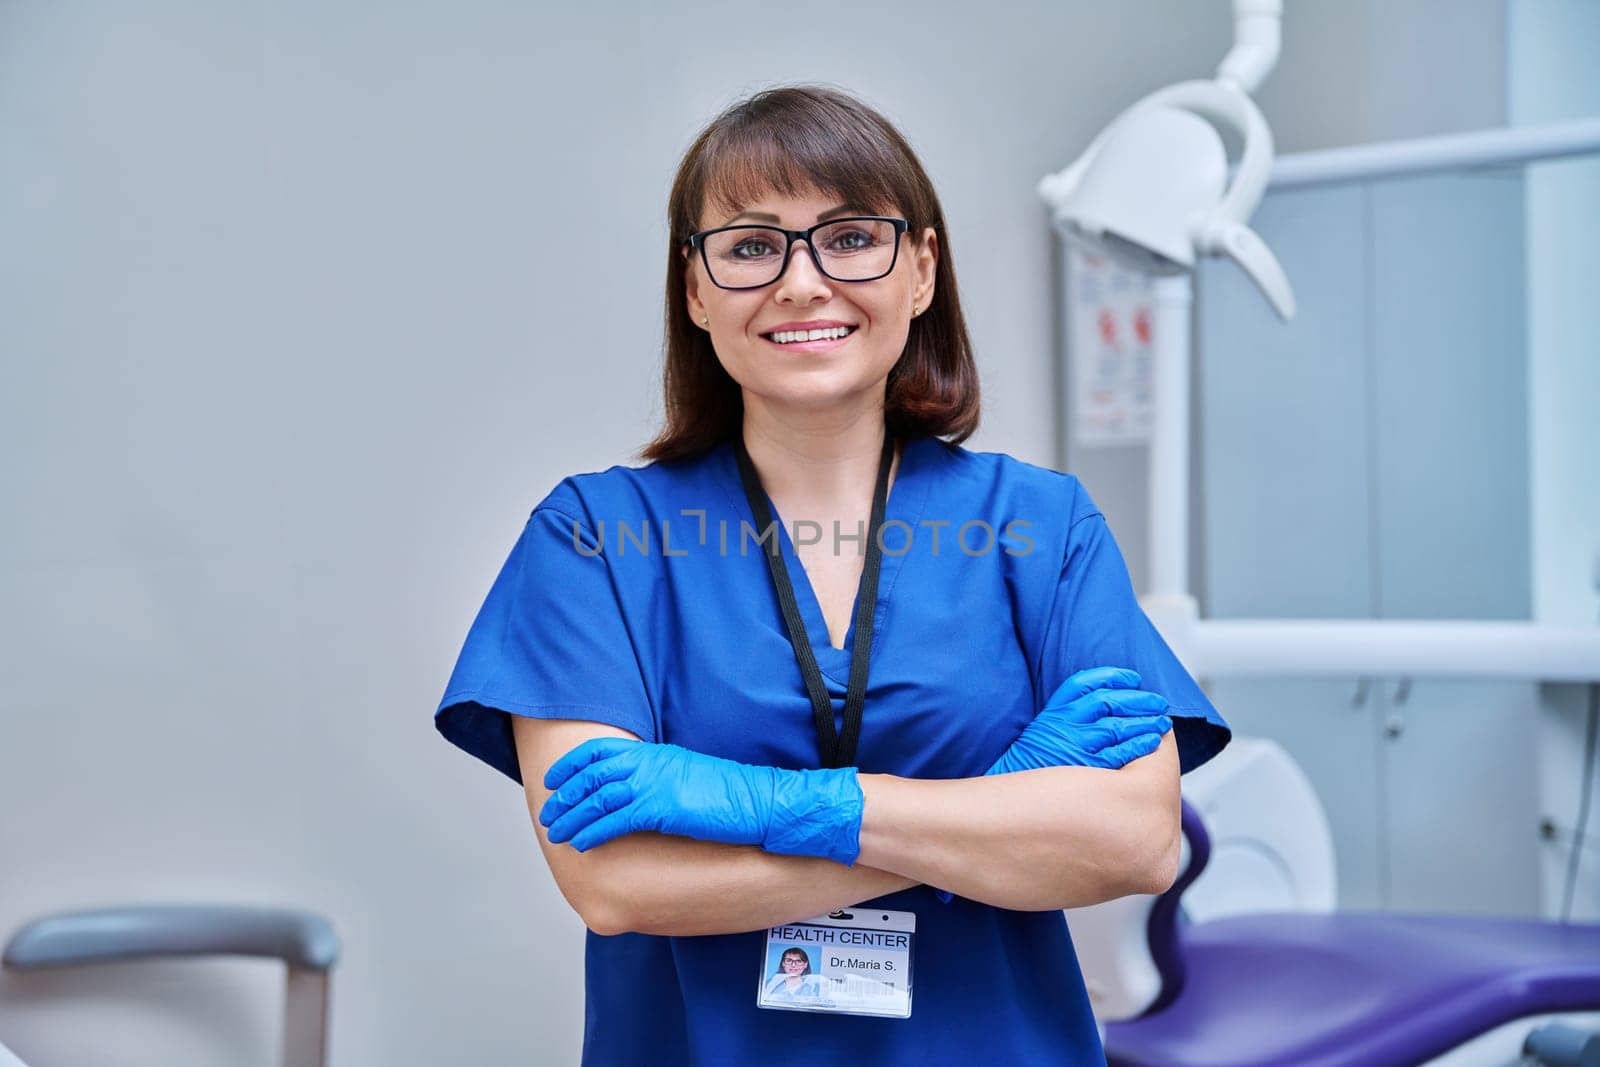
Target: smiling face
<point>815,379</point>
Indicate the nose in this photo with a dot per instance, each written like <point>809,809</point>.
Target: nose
<point>801,282</point>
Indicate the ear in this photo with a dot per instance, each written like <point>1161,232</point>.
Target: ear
<point>925,261</point>
<point>691,287</point>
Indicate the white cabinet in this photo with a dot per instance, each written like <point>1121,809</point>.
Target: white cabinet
<point>1369,460</point>
<point>1428,785</point>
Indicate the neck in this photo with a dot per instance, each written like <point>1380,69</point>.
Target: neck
<point>816,460</point>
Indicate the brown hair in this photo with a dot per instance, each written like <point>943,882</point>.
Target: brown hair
<point>788,140</point>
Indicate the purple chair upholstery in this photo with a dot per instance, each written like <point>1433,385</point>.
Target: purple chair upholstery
<point>1370,988</point>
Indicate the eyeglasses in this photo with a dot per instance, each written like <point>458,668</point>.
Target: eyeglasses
<point>860,248</point>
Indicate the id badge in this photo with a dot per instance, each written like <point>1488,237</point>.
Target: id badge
<point>852,962</point>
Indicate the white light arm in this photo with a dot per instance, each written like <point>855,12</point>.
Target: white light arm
<point>1239,243</point>
<point>1256,34</point>
<point>1224,104</point>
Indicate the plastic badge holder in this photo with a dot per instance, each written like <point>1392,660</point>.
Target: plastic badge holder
<point>856,962</point>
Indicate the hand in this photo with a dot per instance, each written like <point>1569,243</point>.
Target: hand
<point>610,786</point>
<point>1097,718</point>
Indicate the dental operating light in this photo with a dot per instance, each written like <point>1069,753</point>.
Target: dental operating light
<point>1152,190</point>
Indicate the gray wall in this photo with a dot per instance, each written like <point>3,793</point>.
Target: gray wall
<point>1552,48</point>
<point>302,307</point>
<point>1552,44</point>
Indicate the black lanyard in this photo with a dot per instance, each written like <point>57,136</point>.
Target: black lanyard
<point>836,751</point>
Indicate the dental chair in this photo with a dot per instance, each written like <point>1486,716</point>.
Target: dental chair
<point>1317,987</point>
<point>306,943</point>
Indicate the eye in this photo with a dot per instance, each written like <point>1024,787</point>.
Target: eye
<point>851,241</point>
<point>751,248</point>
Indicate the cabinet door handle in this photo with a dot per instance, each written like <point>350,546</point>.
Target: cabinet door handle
<point>1402,692</point>
<point>1360,699</point>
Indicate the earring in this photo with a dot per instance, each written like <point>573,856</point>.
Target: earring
<point>914,310</point>
<point>706,321</point>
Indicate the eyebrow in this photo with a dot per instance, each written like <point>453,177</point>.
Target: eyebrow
<point>842,209</point>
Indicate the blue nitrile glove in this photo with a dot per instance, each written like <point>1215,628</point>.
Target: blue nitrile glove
<point>1099,717</point>
<point>1096,718</point>
<point>610,786</point>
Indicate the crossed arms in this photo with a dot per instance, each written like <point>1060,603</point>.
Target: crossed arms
<point>1033,840</point>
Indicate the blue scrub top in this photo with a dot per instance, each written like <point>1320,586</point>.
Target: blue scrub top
<point>649,618</point>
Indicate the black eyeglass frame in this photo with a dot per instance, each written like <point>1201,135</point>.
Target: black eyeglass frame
<point>698,241</point>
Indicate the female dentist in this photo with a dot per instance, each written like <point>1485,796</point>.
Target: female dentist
<point>815,656</point>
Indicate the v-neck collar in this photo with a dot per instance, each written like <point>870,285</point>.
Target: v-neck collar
<point>906,499</point>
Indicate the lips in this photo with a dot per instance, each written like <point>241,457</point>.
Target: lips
<point>821,344</point>
<point>771,335</point>
<point>812,324</point>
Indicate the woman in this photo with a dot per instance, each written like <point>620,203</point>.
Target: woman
<point>725,734</point>
<point>793,979</point>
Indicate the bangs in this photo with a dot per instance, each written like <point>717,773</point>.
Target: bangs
<point>794,157</point>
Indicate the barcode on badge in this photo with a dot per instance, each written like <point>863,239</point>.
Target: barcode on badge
<point>865,987</point>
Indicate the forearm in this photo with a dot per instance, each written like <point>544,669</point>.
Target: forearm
<point>1035,840</point>
<point>660,884</point>
<point>1031,840</point>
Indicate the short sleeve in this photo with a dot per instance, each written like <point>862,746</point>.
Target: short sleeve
<point>1096,621</point>
<point>550,642</point>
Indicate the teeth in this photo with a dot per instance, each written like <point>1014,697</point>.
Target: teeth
<point>786,336</point>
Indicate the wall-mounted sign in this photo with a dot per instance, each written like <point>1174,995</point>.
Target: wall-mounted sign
<point>1109,355</point>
